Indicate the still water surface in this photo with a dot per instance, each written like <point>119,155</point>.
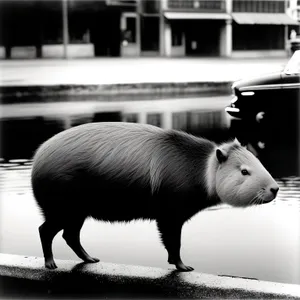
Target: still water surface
<point>260,242</point>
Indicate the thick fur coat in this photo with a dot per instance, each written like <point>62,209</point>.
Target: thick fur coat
<point>123,171</point>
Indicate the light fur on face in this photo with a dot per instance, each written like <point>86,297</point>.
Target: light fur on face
<point>224,176</point>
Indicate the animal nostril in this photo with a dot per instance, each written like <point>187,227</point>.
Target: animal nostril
<point>275,190</point>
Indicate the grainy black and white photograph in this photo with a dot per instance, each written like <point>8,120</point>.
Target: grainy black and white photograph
<point>149,149</point>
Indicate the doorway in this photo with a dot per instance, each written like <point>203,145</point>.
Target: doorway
<point>105,33</point>
<point>149,35</point>
<point>202,38</point>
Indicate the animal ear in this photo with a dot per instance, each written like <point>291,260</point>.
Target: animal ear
<point>236,141</point>
<point>221,155</point>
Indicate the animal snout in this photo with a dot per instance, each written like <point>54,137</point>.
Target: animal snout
<point>274,190</point>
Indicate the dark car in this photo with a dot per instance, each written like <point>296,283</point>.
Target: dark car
<point>254,96</point>
<point>265,116</point>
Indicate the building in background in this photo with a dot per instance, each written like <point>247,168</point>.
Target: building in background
<point>293,10</point>
<point>260,27</point>
<point>230,28</point>
<point>60,28</point>
<point>134,28</point>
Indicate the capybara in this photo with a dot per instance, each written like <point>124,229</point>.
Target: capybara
<point>125,171</point>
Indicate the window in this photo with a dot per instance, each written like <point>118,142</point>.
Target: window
<point>256,37</point>
<point>180,121</point>
<point>130,118</point>
<point>203,5</point>
<point>154,119</point>
<point>176,34</point>
<point>150,6</point>
<point>263,6</point>
<point>130,31</point>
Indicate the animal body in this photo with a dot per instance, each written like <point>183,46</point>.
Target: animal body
<point>124,171</point>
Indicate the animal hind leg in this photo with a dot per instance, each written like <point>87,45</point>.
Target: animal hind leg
<point>72,237</point>
<point>47,231</point>
<point>170,233</point>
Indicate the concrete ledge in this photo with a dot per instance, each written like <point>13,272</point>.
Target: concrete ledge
<point>26,277</point>
<point>15,94</point>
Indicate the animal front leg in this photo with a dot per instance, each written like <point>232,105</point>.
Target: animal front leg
<point>48,231</point>
<point>170,233</point>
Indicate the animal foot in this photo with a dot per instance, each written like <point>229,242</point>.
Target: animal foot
<point>183,268</point>
<point>180,265</point>
<point>91,260</point>
<point>50,264</point>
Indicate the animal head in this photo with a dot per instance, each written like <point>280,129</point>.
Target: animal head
<point>241,179</point>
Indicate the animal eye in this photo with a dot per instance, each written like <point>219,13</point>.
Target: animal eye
<point>245,172</point>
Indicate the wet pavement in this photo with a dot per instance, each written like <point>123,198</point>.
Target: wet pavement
<point>93,104</point>
<point>136,70</point>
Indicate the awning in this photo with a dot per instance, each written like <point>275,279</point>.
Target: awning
<point>196,16</point>
<point>263,19</point>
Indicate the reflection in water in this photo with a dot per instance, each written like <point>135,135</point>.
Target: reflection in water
<point>26,125</point>
<point>15,177</point>
<point>260,242</point>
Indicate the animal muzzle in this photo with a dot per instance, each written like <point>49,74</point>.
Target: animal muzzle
<point>270,194</point>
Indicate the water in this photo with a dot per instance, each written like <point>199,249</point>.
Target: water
<point>24,126</point>
<point>260,242</point>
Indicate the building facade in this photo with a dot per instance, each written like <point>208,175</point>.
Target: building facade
<point>60,28</point>
<point>230,28</point>
<point>133,28</point>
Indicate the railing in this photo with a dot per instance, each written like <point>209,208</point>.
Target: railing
<point>260,6</point>
<point>121,2</point>
<point>200,5</point>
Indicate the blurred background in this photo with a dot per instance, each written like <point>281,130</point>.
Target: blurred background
<point>169,63</point>
<point>134,28</point>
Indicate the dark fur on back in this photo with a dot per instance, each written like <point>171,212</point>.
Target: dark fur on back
<point>121,171</point>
